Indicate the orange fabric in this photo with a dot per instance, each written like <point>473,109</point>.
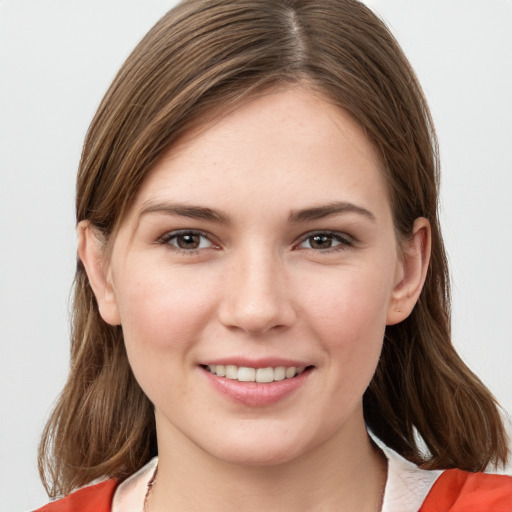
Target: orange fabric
<point>94,498</point>
<point>461,491</point>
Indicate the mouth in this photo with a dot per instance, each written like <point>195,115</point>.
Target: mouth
<point>256,386</point>
<point>261,375</point>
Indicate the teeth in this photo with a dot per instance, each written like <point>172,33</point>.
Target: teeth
<point>290,372</point>
<point>247,374</point>
<point>279,373</point>
<point>231,371</point>
<point>265,375</point>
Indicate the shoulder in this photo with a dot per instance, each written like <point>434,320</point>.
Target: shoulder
<point>93,498</point>
<point>462,491</point>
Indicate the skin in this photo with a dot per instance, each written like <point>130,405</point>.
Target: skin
<point>259,285</point>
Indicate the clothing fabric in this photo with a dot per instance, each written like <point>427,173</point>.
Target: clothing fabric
<point>408,489</point>
<point>93,498</point>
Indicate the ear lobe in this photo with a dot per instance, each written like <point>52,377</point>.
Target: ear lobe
<point>411,273</point>
<point>91,253</point>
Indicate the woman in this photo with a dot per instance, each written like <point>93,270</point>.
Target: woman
<point>262,278</point>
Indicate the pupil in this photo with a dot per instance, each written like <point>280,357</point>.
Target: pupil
<point>188,241</point>
<point>321,242</point>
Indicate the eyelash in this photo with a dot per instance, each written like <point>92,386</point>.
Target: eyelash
<point>344,241</point>
<point>175,235</point>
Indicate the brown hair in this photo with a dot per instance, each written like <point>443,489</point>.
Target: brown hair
<point>208,55</point>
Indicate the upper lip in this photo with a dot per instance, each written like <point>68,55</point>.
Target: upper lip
<point>265,362</point>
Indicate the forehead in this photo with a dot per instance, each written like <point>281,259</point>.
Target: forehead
<point>275,150</point>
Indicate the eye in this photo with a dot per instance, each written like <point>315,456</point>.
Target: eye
<point>187,240</point>
<point>325,241</point>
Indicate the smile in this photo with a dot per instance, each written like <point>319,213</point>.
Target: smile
<point>248,374</point>
<point>256,387</point>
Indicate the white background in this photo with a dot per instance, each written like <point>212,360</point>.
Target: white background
<point>56,60</point>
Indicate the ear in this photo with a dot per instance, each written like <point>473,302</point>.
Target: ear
<point>411,272</point>
<point>91,253</point>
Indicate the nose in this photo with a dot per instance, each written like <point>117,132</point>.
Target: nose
<point>257,296</point>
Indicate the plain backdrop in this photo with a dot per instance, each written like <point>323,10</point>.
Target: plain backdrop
<point>56,60</point>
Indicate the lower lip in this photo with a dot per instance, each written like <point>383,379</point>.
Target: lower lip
<point>257,394</point>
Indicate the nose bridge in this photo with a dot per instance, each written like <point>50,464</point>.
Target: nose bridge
<point>257,297</point>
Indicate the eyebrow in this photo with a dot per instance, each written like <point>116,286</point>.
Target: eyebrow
<point>328,210</point>
<point>184,210</point>
<point>295,216</point>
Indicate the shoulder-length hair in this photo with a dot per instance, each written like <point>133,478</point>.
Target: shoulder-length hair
<point>206,56</point>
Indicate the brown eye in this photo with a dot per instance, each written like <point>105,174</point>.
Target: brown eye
<point>190,241</point>
<point>320,241</point>
<point>187,240</point>
<point>326,241</point>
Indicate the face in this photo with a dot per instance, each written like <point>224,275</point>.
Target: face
<point>262,247</point>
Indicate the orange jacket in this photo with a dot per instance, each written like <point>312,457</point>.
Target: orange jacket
<point>94,498</point>
<point>461,491</point>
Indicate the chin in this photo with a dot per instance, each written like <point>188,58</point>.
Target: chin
<point>256,456</point>
<point>259,447</point>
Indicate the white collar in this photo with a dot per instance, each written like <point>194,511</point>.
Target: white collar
<point>407,485</point>
<point>130,494</point>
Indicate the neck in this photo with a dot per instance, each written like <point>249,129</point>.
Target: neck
<point>346,473</point>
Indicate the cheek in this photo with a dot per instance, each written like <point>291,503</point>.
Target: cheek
<point>161,308</point>
<point>350,307</point>
<point>347,314</point>
<point>163,314</point>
